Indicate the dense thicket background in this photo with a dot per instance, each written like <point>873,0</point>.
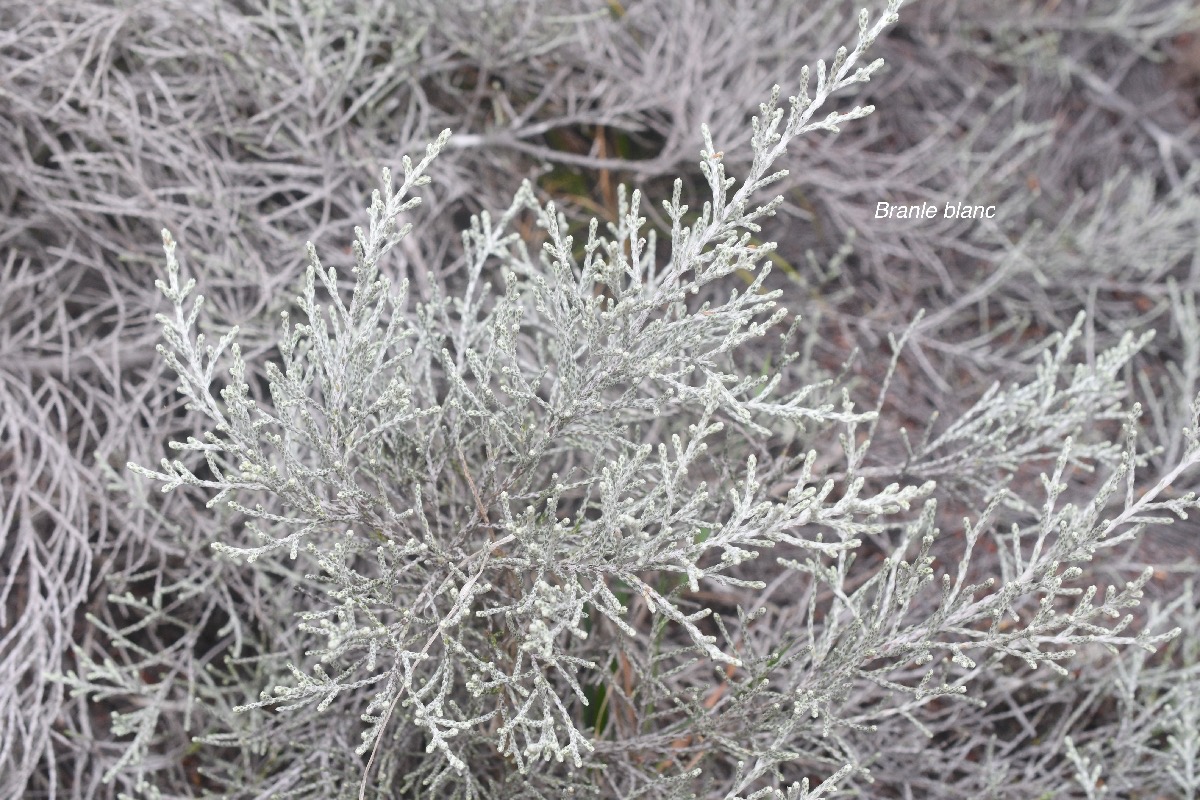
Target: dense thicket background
<point>249,128</point>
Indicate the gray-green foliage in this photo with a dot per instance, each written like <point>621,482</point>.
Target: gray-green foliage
<point>515,501</point>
